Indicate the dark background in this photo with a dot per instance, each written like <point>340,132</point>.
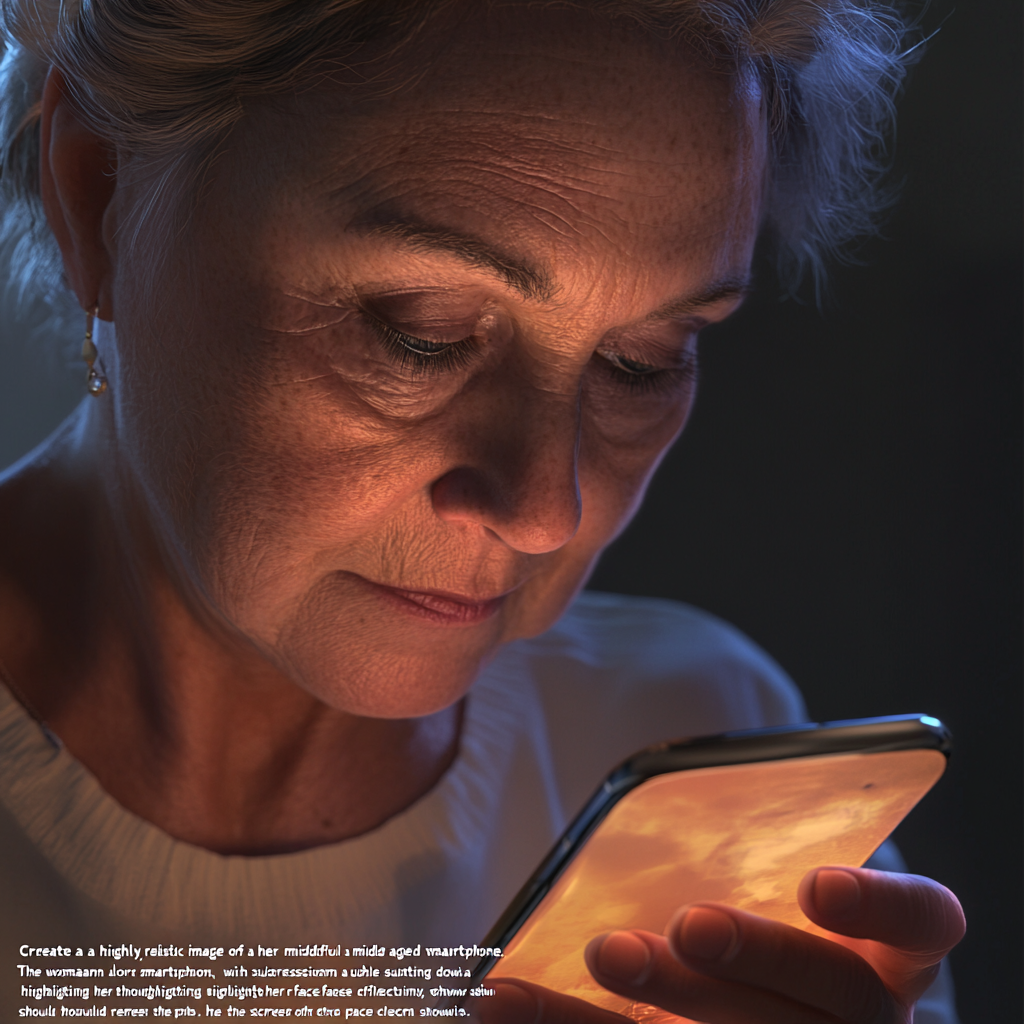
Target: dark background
<point>848,491</point>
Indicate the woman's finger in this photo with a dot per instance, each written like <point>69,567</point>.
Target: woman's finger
<point>732,945</point>
<point>914,914</point>
<point>911,922</point>
<point>641,966</point>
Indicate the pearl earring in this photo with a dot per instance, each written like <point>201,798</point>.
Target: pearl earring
<point>95,382</point>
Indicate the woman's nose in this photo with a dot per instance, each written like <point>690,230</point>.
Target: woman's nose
<point>517,474</point>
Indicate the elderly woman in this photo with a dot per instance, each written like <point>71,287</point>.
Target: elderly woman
<point>391,310</point>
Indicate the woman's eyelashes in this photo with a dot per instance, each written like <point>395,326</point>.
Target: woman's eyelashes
<point>645,378</point>
<point>421,355</point>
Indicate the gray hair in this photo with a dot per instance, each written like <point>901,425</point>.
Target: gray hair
<point>167,80</point>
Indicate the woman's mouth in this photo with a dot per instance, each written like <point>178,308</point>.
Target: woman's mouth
<point>441,607</point>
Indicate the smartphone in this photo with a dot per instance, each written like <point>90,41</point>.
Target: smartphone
<point>738,818</point>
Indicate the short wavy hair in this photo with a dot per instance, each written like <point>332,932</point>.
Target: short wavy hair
<point>168,79</point>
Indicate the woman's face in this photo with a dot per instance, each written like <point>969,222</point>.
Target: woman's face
<point>413,364</point>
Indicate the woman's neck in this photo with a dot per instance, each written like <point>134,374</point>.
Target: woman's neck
<point>183,722</point>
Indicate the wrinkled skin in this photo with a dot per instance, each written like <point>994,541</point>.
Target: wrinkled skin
<point>375,412</point>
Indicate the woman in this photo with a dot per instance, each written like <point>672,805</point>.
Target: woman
<point>406,301</point>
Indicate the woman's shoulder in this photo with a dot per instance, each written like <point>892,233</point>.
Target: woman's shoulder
<point>631,647</point>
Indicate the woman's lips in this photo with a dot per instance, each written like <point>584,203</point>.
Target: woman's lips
<point>444,608</point>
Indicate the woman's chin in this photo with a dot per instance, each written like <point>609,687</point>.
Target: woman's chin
<point>404,678</point>
<point>398,696</point>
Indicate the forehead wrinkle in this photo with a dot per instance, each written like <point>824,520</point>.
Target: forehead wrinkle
<point>420,193</point>
<point>525,184</point>
<point>566,182</point>
<point>526,159</point>
<point>541,154</point>
<point>562,133</point>
<point>510,148</point>
<point>577,174</point>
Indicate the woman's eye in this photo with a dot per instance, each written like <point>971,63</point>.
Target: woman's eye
<point>644,377</point>
<point>418,346</point>
<point>420,354</point>
<point>630,366</point>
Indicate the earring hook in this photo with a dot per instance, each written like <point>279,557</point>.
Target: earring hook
<point>95,382</point>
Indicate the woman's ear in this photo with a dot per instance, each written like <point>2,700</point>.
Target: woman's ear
<point>78,174</point>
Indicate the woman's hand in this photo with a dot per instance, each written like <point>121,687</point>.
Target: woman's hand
<point>889,933</point>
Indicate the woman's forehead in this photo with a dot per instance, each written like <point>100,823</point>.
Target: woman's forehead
<point>625,137</point>
<point>560,80</point>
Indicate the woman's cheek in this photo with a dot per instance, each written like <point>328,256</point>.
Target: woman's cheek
<point>260,518</point>
<point>619,451</point>
<point>635,425</point>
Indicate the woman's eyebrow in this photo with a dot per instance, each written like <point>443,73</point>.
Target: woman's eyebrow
<point>530,281</point>
<point>735,287</point>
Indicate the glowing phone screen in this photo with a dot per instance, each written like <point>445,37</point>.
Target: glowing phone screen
<point>739,834</point>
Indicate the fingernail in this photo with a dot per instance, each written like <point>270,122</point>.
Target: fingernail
<point>706,934</point>
<point>621,957</point>
<point>836,894</point>
<point>510,1004</point>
